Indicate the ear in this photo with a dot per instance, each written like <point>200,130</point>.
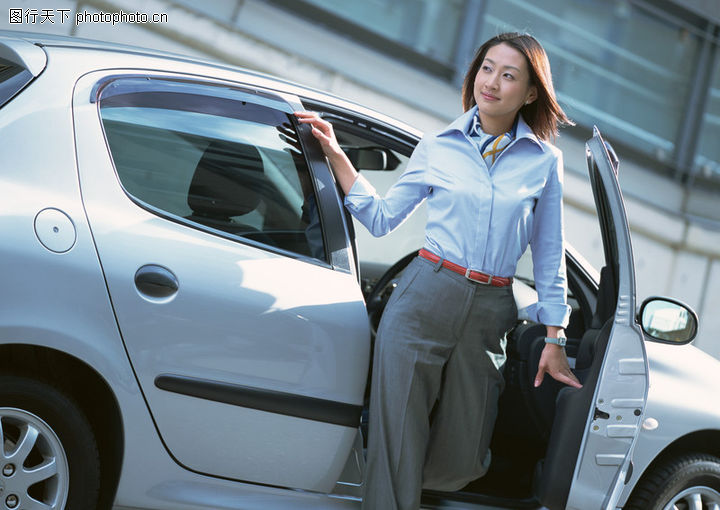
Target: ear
<point>532,95</point>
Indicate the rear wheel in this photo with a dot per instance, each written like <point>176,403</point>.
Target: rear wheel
<point>49,458</point>
<point>689,482</point>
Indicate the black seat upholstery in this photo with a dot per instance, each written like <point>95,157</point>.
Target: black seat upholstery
<point>527,347</point>
<point>539,403</point>
<point>229,181</point>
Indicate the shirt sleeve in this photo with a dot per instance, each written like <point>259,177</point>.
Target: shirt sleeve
<point>382,215</point>
<point>548,252</point>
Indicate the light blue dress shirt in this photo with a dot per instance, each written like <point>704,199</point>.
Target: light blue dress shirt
<point>482,218</point>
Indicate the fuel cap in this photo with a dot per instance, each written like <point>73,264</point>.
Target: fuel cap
<point>55,230</point>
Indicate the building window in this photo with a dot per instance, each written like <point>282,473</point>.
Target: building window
<point>426,26</point>
<point>707,160</point>
<point>423,33</point>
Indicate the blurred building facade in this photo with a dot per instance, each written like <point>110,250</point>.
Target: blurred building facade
<point>646,72</point>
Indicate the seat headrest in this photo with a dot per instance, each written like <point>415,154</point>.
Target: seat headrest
<point>228,180</point>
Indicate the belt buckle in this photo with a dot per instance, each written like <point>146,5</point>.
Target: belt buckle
<point>467,275</point>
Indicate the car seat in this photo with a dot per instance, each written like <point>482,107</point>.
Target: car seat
<point>228,182</point>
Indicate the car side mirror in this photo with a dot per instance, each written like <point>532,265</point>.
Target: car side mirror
<point>668,320</point>
<point>372,158</point>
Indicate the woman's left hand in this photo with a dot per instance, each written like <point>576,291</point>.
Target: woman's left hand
<point>554,362</point>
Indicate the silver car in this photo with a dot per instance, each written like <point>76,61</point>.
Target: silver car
<point>184,315</point>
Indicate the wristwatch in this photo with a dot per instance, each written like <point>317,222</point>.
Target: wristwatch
<point>561,341</point>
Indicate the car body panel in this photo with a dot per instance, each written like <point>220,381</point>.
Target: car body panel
<point>674,391</point>
<point>38,307</point>
<point>23,53</point>
<point>35,280</point>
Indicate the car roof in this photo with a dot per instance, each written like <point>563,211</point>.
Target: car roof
<point>48,41</point>
<point>77,42</point>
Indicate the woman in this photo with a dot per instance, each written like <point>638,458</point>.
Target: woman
<point>493,185</point>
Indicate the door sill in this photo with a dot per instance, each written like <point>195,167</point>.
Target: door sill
<point>437,499</point>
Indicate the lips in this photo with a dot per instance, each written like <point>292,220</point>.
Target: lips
<point>489,97</point>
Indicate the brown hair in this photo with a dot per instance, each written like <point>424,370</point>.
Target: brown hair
<point>542,115</point>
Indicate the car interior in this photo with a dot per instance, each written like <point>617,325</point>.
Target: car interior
<point>539,431</point>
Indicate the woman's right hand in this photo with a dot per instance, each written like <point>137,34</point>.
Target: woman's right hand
<point>322,130</point>
<point>554,362</point>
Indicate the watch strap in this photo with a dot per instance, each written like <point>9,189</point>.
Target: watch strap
<point>561,341</point>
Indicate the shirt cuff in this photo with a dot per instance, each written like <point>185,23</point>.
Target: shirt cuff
<point>550,314</point>
<point>359,192</point>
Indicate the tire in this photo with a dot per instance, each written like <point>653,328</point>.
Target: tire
<point>44,430</point>
<point>676,483</point>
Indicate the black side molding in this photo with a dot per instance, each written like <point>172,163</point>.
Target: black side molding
<point>288,404</point>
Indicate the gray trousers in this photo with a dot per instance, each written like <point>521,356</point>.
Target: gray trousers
<point>439,348</point>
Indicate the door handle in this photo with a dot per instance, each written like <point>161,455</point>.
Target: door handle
<point>156,281</point>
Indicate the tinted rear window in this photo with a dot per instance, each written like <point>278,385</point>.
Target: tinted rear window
<point>12,79</point>
<point>214,158</point>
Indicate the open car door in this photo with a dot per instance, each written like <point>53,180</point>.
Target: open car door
<point>589,454</point>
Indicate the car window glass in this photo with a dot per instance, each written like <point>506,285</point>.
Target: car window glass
<point>12,79</point>
<point>230,164</point>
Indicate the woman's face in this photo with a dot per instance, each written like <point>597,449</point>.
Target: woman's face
<point>502,87</point>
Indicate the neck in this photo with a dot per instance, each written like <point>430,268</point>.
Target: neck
<point>496,126</point>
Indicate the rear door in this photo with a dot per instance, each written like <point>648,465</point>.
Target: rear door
<point>595,428</point>
<point>230,272</point>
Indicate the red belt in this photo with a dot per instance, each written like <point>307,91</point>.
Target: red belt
<point>475,276</point>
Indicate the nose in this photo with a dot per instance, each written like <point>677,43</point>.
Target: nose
<point>492,81</point>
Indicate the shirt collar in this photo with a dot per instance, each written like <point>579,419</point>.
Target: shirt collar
<point>463,123</point>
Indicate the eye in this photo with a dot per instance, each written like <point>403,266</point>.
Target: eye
<point>486,68</point>
<point>509,76</point>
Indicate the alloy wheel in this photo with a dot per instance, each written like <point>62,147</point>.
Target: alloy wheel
<point>34,473</point>
<point>695,498</point>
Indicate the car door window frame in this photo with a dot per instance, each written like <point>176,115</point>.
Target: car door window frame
<point>363,126</point>
<point>333,232</point>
